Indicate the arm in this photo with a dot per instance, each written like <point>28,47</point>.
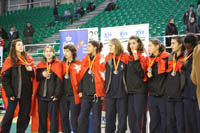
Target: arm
<point>58,88</point>
<point>39,75</point>
<point>6,81</point>
<point>137,66</point>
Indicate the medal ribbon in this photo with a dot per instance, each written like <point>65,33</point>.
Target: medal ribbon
<point>23,60</point>
<point>66,68</point>
<point>174,63</point>
<point>91,63</point>
<point>151,62</point>
<point>48,67</point>
<point>186,58</point>
<point>116,65</point>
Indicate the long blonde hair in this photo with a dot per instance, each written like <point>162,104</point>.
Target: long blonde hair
<point>118,46</point>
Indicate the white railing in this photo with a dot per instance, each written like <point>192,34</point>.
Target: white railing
<point>28,5</point>
<point>38,47</point>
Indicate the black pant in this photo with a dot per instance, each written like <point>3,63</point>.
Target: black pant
<point>116,106</point>
<point>89,102</point>
<point>45,107</point>
<point>192,116</point>
<point>175,117</point>
<point>23,115</point>
<point>67,103</point>
<point>136,110</point>
<point>158,114</point>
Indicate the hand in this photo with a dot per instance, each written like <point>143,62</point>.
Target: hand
<point>80,95</point>
<point>45,74</point>
<point>149,74</point>
<point>29,68</point>
<point>12,98</point>
<point>102,98</point>
<point>54,98</point>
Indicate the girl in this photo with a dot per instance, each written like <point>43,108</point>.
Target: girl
<point>116,89</point>
<point>156,73</point>
<point>137,89</point>
<point>91,88</point>
<point>174,87</point>
<point>17,74</point>
<point>49,76</point>
<point>70,99</point>
<point>191,110</point>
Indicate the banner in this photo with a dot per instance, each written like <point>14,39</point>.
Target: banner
<point>123,33</point>
<point>79,38</point>
<point>1,56</point>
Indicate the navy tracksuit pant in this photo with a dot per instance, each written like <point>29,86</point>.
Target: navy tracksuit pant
<point>67,104</point>
<point>88,103</point>
<point>175,116</point>
<point>136,110</point>
<point>158,114</point>
<point>45,107</point>
<point>23,115</point>
<point>192,116</point>
<point>117,106</point>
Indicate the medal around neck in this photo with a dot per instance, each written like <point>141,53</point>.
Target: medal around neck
<point>149,69</point>
<point>173,73</point>
<point>49,77</point>
<point>89,71</point>
<point>66,76</point>
<point>115,72</point>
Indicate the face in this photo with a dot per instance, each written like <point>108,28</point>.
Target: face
<point>133,44</point>
<point>19,47</point>
<point>68,53</point>
<point>191,8</point>
<point>192,20</point>
<point>28,24</point>
<point>48,53</point>
<point>188,47</point>
<point>152,48</point>
<point>12,29</point>
<point>171,21</point>
<point>112,48</point>
<point>175,45</point>
<point>91,49</point>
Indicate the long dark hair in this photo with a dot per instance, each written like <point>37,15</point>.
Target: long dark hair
<point>157,42</point>
<point>96,44</point>
<point>140,44</point>
<point>13,53</point>
<point>72,49</point>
